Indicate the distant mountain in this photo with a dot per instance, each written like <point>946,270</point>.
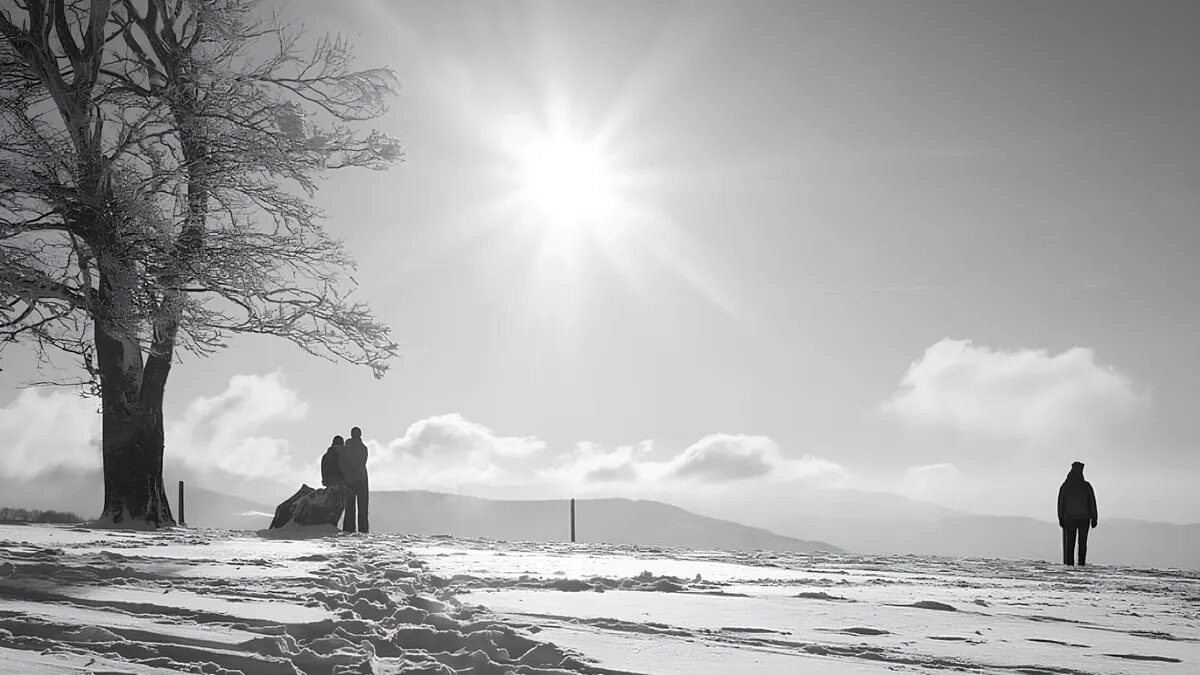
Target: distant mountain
<point>1114,542</point>
<point>882,523</point>
<point>82,492</point>
<point>861,522</point>
<point>59,489</point>
<point>611,521</point>
<point>209,508</point>
<point>760,508</point>
<point>867,505</point>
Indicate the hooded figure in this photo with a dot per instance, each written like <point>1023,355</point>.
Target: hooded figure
<point>331,473</point>
<point>1076,511</point>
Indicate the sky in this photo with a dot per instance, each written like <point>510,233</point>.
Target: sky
<point>704,252</point>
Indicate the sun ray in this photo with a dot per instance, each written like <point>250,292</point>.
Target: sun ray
<point>568,186</point>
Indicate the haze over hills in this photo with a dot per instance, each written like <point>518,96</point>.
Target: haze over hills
<point>613,521</point>
<point>82,493</point>
<point>880,523</point>
<point>1116,541</point>
<point>833,503</point>
<point>874,523</point>
<point>857,521</point>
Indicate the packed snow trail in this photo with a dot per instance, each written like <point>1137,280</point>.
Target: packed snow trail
<point>311,601</point>
<point>208,601</point>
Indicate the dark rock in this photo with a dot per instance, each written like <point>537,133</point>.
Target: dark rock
<point>310,507</point>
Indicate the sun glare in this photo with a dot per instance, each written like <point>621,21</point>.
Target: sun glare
<point>566,182</point>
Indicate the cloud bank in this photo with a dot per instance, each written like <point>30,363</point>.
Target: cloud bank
<point>236,441</point>
<point>723,458</point>
<point>1028,395</point>
<point>47,429</point>
<point>224,432</point>
<point>51,430</point>
<point>447,452</point>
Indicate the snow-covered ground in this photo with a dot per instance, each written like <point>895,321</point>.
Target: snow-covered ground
<point>76,600</point>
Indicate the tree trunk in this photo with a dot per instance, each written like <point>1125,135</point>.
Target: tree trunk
<point>132,436</point>
<point>133,460</point>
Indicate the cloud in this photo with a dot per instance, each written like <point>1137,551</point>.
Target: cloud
<point>47,429</point>
<point>448,451</point>
<point>930,481</point>
<point>1027,394</point>
<point>452,434</point>
<point>591,463</point>
<point>723,458</point>
<point>716,460</point>
<point>224,432</point>
<point>236,441</point>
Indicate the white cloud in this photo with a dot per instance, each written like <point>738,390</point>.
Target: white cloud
<point>44,429</point>
<point>717,459</point>
<point>592,464</point>
<point>1027,394</point>
<point>810,468</point>
<point>49,429</point>
<point>248,402</point>
<point>231,442</point>
<point>224,431</point>
<point>448,451</point>
<point>930,481</point>
<point>452,434</point>
<point>723,458</point>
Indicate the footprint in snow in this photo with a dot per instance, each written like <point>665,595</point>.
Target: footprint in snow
<point>1057,642</point>
<point>1145,657</point>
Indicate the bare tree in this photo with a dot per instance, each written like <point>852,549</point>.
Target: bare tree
<point>158,160</point>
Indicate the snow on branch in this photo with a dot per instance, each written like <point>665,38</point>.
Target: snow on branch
<point>169,151</point>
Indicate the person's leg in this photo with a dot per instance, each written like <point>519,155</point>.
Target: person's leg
<point>350,519</point>
<point>1069,543</point>
<point>1083,535</point>
<point>363,491</point>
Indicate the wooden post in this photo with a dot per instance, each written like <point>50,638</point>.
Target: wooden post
<point>182,522</point>
<point>572,521</point>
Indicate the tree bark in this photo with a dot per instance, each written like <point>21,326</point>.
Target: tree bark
<point>131,400</point>
<point>133,460</point>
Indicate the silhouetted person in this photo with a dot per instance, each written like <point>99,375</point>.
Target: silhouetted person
<point>1076,510</point>
<point>331,472</point>
<point>352,459</point>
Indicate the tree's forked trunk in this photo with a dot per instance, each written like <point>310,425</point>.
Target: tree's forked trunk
<point>133,439</point>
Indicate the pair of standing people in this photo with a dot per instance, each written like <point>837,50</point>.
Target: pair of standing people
<point>344,465</point>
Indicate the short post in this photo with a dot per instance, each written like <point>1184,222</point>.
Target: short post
<point>572,521</point>
<point>182,522</point>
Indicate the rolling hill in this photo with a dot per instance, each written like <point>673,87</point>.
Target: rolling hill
<point>612,521</point>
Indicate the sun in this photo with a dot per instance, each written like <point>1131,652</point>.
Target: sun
<point>566,183</point>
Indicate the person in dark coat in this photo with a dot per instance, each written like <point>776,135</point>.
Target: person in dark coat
<point>352,459</point>
<point>331,472</point>
<point>1076,511</point>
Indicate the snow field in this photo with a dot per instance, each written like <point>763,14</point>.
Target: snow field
<point>76,600</point>
<point>312,601</point>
